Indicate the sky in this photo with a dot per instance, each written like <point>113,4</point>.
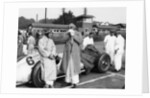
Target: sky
<point>104,14</point>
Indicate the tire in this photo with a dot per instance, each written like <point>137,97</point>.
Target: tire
<point>36,76</point>
<point>104,63</point>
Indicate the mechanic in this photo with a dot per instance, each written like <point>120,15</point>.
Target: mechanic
<point>31,43</point>
<point>119,51</point>
<point>71,56</point>
<point>109,43</point>
<point>88,39</point>
<point>47,49</point>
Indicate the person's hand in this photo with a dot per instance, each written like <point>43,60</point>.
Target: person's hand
<point>51,57</point>
<point>72,33</point>
<point>116,51</point>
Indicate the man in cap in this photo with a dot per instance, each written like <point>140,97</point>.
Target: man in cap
<point>119,51</point>
<point>71,56</point>
<point>109,42</point>
<point>47,49</point>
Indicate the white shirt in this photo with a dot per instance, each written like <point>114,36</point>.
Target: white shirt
<point>109,42</point>
<point>87,41</point>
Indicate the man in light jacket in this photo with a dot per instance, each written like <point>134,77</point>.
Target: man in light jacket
<point>47,49</point>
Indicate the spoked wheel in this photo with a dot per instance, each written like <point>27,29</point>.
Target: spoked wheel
<point>104,63</point>
<point>37,76</point>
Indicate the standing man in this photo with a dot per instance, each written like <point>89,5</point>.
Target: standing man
<point>71,56</point>
<point>47,49</point>
<point>119,51</point>
<point>31,44</point>
<point>109,43</point>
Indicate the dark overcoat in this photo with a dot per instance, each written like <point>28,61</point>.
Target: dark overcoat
<point>72,49</point>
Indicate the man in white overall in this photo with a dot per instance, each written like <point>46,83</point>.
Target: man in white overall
<point>47,49</point>
<point>119,51</point>
<point>109,43</point>
<point>88,40</point>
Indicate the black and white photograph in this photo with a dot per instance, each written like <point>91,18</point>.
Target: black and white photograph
<point>71,48</point>
<point>74,48</point>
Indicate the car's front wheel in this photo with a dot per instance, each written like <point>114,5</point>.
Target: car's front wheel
<point>36,76</point>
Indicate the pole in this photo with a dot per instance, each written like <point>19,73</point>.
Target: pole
<point>36,17</point>
<point>45,14</point>
<point>63,12</point>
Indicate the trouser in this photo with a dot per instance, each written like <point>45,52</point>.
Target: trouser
<point>71,77</point>
<point>30,49</point>
<point>74,79</point>
<point>111,54</point>
<point>118,60</point>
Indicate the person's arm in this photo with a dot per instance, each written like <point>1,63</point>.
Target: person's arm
<point>53,48</point>
<point>116,46</point>
<point>84,43</point>
<point>78,38</point>
<point>42,49</point>
<point>105,40</point>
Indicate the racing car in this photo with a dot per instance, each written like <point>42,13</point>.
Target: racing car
<point>29,66</point>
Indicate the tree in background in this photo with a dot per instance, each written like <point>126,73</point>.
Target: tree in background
<point>65,18</point>
<point>24,23</point>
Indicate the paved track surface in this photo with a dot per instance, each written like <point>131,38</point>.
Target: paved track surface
<point>108,80</point>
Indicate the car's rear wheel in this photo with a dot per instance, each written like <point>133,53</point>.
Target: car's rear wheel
<point>104,63</point>
<point>37,76</point>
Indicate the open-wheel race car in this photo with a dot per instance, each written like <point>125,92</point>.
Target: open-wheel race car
<point>29,67</point>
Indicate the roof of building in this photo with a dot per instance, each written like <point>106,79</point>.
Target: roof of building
<point>108,27</point>
<point>43,25</point>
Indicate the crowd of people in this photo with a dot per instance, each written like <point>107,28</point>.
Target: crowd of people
<point>114,46</point>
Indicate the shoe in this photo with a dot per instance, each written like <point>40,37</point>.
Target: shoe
<point>74,86</point>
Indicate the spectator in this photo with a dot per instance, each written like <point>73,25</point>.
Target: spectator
<point>20,45</point>
<point>31,44</point>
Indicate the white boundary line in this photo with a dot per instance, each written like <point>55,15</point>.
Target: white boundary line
<point>99,78</point>
<point>121,75</point>
<point>93,80</point>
